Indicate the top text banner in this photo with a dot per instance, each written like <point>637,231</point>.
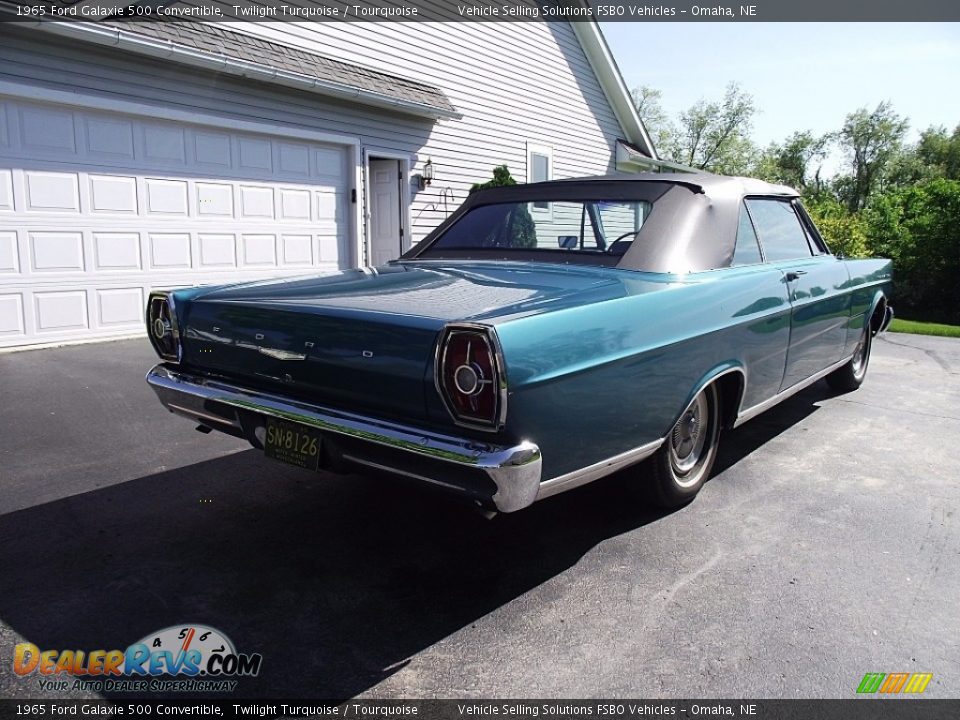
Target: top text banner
<point>482,10</point>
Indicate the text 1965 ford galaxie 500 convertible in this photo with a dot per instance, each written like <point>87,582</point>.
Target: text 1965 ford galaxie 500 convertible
<point>542,337</point>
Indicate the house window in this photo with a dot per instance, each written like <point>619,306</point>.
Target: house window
<point>539,169</point>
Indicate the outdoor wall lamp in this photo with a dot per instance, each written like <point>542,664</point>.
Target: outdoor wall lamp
<point>426,177</point>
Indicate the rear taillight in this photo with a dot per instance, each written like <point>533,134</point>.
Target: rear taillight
<point>162,326</point>
<point>470,377</point>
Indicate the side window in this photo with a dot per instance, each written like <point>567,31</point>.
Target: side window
<point>539,169</point>
<point>781,234</point>
<point>817,245</point>
<point>747,251</point>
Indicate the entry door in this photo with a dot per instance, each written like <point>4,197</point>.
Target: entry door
<point>386,235</point>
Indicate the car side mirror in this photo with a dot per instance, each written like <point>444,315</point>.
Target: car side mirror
<point>568,242</point>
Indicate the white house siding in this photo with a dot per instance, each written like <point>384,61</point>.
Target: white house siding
<point>514,83</point>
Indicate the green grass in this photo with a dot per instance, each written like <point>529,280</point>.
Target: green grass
<point>924,328</point>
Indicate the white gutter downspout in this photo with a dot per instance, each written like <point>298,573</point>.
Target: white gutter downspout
<point>166,50</point>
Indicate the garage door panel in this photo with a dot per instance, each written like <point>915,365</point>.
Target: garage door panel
<point>255,154</point>
<point>294,159</point>
<point>56,251</point>
<point>256,202</point>
<point>113,194</point>
<point>164,144</point>
<point>12,323</point>
<point>4,126</point>
<point>327,205</point>
<point>170,250</point>
<point>297,250</point>
<point>294,204</point>
<point>329,248</point>
<point>217,250</point>
<point>211,149</point>
<point>119,307</point>
<point>259,250</point>
<point>116,251</point>
<point>49,191</point>
<point>9,261</point>
<point>47,129</point>
<point>91,223</point>
<point>57,311</point>
<point>328,163</point>
<point>214,199</point>
<point>166,197</point>
<point>110,139</point>
<point>6,191</point>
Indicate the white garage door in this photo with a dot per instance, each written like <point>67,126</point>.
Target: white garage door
<point>97,208</point>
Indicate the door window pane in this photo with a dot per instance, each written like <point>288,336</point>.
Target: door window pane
<point>747,251</point>
<point>780,230</point>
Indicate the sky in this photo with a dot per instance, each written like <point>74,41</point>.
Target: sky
<point>802,76</point>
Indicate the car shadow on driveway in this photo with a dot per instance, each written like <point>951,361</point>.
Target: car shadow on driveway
<point>738,443</point>
<point>336,581</point>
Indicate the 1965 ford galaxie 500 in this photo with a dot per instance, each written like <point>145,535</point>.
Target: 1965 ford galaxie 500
<point>543,336</point>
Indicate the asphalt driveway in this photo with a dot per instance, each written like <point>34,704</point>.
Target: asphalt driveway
<point>827,545</point>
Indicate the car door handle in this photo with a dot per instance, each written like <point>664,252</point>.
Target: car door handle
<point>794,275</point>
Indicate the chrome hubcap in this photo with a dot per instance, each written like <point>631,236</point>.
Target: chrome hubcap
<point>689,437</point>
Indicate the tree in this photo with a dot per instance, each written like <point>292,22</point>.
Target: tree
<point>501,177</point>
<point>870,140</point>
<point>936,155</point>
<point>715,136</point>
<point>844,231</point>
<point>521,222</point>
<point>918,227</point>
<point>658,125</point>
<point>796,162</point>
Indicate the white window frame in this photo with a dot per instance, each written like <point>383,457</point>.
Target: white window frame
<point>540,215</point>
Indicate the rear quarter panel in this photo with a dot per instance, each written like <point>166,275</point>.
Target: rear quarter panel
<point>870,280</point>
<point>590,382</point>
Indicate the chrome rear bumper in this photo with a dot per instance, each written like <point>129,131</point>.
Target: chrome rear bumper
<point>504,478</point>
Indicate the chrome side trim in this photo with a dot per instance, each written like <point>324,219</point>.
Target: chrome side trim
<point>575,478</point>
<point>752,412</point>
<point>710,379</point>
<point>281,354</point>
<point>514,470</point>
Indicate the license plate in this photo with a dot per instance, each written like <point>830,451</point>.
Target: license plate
<point>291,443</point>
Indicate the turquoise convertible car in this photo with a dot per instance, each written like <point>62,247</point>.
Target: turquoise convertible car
<point>542,337</point>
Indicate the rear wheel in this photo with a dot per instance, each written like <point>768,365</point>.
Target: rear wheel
<point>851,376</point>
<point>684,461</point>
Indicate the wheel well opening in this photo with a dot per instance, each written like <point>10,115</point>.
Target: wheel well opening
<point>730,389</point>
<point>876,320</point>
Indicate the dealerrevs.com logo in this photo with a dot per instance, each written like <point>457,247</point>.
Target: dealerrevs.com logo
<point>180,658</point>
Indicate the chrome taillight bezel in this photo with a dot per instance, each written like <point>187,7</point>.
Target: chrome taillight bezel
<point>488,336</point>
<point>157,299</point>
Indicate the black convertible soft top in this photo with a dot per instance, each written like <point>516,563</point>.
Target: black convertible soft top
<point>692,225</point>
